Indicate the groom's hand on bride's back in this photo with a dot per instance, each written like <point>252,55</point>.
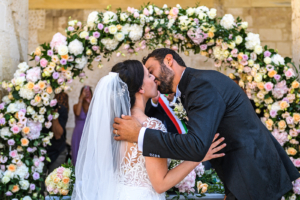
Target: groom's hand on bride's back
<point>127,128</point>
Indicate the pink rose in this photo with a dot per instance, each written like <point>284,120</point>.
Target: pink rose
<point>55,191</point>
<point>167,12</point>
<point>289,73</point>
<point>49,188</point>
<point>53,102</point>
<point>234,52</point>
<point>297,162</point>
<point>168,42</point>
<point>175,11</point>
<point>42,158</point>
<point>293,132</point>
<point>146,11</point>
<point>48,124</point>
<point>13,153</point>
<point>218,63</point>
<point>15,129</point>
<point>136,15</point>
<point>60,170</point>
<point>269,86</point>
<point>174,47</point>
<point>58,40</point>
<point>126,46</point>
<point>60,81</point>
<point>43,62</point>
<point>36,163</point>
<point>147,29</point>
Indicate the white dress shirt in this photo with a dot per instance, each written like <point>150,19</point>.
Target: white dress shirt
<point>143,129</point>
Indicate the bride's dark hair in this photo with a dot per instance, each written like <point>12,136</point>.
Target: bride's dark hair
<point>132,73</point>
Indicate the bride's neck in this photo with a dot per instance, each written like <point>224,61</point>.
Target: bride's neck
<point>138,110</point>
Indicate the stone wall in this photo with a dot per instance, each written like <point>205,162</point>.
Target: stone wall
<point>13,36</point>
<point>273,25</point>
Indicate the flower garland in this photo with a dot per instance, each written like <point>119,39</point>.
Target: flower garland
<point>28,107</point>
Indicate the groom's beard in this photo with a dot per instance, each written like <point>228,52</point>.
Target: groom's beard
<point>166,78</point>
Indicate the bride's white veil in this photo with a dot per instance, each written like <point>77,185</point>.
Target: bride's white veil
<point>99,156</point>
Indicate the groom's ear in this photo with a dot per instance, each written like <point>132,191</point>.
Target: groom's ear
<point>169,60</point>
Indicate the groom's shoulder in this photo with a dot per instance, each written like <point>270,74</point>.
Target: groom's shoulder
<point>206,75</point>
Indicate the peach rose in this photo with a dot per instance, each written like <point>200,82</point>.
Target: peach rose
<point>15,188</point>
<point>282,124</point>
<point>30,85</point>
<point>66,57</point>
<point>296,117</point>
<point>202,186</point>
<point>272,73</point>
<point>66,180</point>
<point>291,151</point>
<point>211,34</point>
<point>283,105</point>
<point>64,192</point>
<point>119,27</point>
<point>240,56</point>
<point>52,64</point>
<point>56,180</point>
<point>37,98</point>
<point>38,51</point>
<point>295,84</point>
<point>26,130</point>
<point>49,90</point>
<point>11,167</point>
<point>261,85</point>
<point>24,142</point>
<point>42,85</point>
<point>269,122</point>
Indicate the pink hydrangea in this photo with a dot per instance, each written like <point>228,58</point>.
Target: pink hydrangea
<point>60,170</point>
<point>33,74</point>
<point>58,40</point>
<point>280,89</point>
<point>197,36</point>
<point>35,129</point>
<point>296,162</point>
<point>200,169</point>
<point>188,183</point>
<point>281,137</point>
<point>296,186</point>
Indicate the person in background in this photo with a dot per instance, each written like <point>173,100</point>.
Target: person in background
<point>57,152</point>
<point>80,110</point>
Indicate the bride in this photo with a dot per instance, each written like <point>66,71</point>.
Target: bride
<point>110,170</point>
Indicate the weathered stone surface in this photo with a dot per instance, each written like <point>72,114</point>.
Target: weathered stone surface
<point>270,34</point>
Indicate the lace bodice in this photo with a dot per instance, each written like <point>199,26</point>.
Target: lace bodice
<point>133,168</point>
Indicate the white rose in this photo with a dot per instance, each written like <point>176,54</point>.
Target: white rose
<point>155,23</point>
<point>165,6</point>
<point>72,22</point>
<point>42,110</point>
<point>136,32</point>
<point>92,19</point>
<point>190,11</point>
<point>23,66</point>
<point>212,13</point>
<point>231,45</point>
<point>80,62</point>
<point>27,198</point>
<point>110,44</point>
<point>244,25</point>
<point>24,184</point>
<point>252,40</point>
<point>238,39</point>
<point>12,108</point>
<point>30,110</point>
<point>5,179</point>
<point>6,100</point>
<point>250,62</point>
<point>123,17</point>
<point>83,34</point>
<point>151,18</point>
<point>41,118</point>
<point>76,47</point>
<point>258,49</point>
<point>258,78</point>
<point>178,6</point>
<point>162,21</point>
<point>278,59</point>
<point>119,36</point>
<point>202,16</point>
<point>227,21</point>
<point>112,29</point>
<point>26,93</point>
<point>63,50</point>
<point>93,40</point>
<point>267,60</point>
<point>67,172</point>
<point>20,81</point>
<point>109,16</point>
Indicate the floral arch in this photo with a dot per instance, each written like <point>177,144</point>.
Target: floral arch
<point>28,107</point>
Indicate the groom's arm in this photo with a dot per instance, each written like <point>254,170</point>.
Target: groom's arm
<point>205,111</point>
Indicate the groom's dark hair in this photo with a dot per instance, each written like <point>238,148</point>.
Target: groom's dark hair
<point>160,54</point>
<point>132,73</point>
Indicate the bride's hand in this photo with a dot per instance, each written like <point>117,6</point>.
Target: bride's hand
<point>214,148</point>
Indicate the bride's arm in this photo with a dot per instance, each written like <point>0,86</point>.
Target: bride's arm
<point>163,179</point>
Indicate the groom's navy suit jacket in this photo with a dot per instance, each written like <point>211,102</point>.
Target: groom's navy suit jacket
<point>255,166</point>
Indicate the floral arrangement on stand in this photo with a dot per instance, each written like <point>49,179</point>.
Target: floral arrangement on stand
<point>268,78</point>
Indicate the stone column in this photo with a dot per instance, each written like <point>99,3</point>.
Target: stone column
<point>296,31</point>
<point>13,36</point>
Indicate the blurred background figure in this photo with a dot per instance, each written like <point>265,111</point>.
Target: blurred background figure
<point>58,152</point>
<point>80,111</point>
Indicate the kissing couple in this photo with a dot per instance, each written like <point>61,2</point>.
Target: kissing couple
<point>124,154</point>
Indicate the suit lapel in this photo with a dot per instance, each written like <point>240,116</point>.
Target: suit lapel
<point>183,84</point>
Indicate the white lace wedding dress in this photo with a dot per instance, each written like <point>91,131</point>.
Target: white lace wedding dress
<point>134,183</point>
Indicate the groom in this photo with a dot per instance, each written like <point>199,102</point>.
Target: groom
<point>255,166</point>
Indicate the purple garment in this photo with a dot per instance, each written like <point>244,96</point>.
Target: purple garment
<point>79,124</point>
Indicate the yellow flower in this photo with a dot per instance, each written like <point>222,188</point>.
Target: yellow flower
<point>291,151</point>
